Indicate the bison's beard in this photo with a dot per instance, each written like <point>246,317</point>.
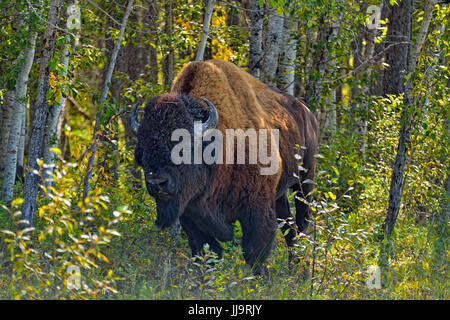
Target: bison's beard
<point>166,213</point>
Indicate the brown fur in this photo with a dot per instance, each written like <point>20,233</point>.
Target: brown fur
<point>245,102</point>
<point>225,193</point>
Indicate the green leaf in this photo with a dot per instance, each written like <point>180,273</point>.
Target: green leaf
<point>48,94</point>
<point>52,65</point>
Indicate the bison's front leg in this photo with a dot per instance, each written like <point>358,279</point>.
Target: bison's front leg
<point>258,228</point>
<point>197,238</point>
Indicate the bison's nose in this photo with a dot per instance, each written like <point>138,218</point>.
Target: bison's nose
<point>159,183</point>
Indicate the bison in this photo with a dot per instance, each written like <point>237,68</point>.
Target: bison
<point>208,198</point>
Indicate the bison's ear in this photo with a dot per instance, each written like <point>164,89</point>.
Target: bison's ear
<point>134,123</point>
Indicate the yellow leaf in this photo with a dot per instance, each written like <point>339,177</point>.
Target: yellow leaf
<point>279,11</point>
<point>17,202</point>
<point>55,150</point>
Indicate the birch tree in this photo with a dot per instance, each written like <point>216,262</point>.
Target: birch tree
<point>318,69</point>
<point>50,140</point>
<point>286,77</point>
<point>364,107</point>
<point>256,32</point>
<point>364,56</point>
<point>5,125</point>
<point>16,121</point>
<point>30,187</point>
<point>331,115</point>
<point>272,38</point>
<point>205,30</point>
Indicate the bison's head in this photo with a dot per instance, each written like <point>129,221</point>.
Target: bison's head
<point>172,186</point>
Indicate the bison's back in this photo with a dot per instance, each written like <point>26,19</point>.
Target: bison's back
<point>244,102</point>
<point>237,95</point>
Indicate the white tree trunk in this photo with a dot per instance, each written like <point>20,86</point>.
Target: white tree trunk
<point>272,46</point>
<point>205,31</point>
<point>421,36</point>
<point>18,111</point>
<point>367,53</point>
<point>4,129</point>
<point>256,24</point>
<point>319,57</point>
<point>50,140</point>
<point>362,123</point>
<point>329,116</point>
<point>286,77</point>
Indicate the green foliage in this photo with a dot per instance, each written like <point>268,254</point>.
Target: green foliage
<point>111,238</point>
<point>67,235</point>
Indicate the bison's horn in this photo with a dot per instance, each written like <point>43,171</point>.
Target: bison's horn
<point>213,119</point>
<point>134,123</point>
